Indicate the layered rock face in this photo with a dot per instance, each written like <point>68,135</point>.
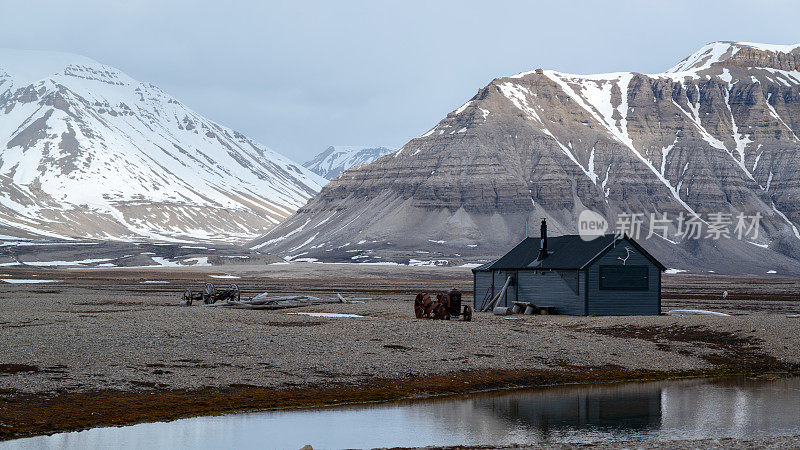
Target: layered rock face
<point>717,133</point>
<point>86,151</point>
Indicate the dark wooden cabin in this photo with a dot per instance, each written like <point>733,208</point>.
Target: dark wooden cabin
<point>609,275</point>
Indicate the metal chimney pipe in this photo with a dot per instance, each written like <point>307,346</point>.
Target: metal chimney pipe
<point>543,240</point>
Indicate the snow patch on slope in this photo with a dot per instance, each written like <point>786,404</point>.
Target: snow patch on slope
<point>597,96</point>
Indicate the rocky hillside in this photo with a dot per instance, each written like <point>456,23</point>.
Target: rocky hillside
<point>717,133</point>
<point>338,158</point>
<point>86,151</point>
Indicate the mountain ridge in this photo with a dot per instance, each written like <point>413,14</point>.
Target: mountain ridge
<point>711,137</point>
<point>89,152</point>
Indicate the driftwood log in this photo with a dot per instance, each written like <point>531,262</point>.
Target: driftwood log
<point>499,294</point>
<point>271,302</point>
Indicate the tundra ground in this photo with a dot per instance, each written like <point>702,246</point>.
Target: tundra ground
<point>102,347</point>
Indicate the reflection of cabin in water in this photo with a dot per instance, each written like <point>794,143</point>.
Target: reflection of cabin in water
<point>608,275</point>
<point>622,408</point>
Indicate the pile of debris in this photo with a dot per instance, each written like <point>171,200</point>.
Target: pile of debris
<point>266,301</point>
<point>230,297</point>
<point>211,294</point>
<point>527,308</point>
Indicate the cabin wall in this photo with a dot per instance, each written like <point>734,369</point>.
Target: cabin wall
<point>559,288</point>
<point>620,301</point>
<point>497,284</point>
<point>582,277</point>
<point>499,277</point>
<point>483,288</point>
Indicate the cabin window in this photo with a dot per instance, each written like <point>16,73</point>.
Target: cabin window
<point>624,278</point>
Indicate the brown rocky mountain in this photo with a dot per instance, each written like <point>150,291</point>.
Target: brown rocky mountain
<point>717,133</point>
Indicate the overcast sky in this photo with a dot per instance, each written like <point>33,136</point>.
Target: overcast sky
<point>301,75</point>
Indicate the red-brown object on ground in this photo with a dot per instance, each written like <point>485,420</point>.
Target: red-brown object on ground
<point>446,306</point>
<point>440,308</point>
<point>454,302</point>
<point>423,305</point>
<point>467,315</point>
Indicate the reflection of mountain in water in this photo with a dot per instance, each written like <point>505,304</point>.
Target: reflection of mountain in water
<point>635,407</point>
<point>740,407</point>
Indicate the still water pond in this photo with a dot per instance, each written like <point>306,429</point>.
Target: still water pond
<point>688,409</point>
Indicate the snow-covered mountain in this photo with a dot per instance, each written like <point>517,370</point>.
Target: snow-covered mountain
<point>86,151</point>
<point>716,134</point>
<point>338,158</point>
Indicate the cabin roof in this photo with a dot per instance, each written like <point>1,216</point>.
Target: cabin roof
<point>569,252</point>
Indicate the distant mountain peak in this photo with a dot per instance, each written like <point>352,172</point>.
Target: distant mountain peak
<point>26,67</point>
<point>783,57</point>
<point>338,158</point>
<point>720,133</point>
<point>87,151</point>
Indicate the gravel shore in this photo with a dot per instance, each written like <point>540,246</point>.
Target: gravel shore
<point>780,442</point>
<point>120,331</point>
